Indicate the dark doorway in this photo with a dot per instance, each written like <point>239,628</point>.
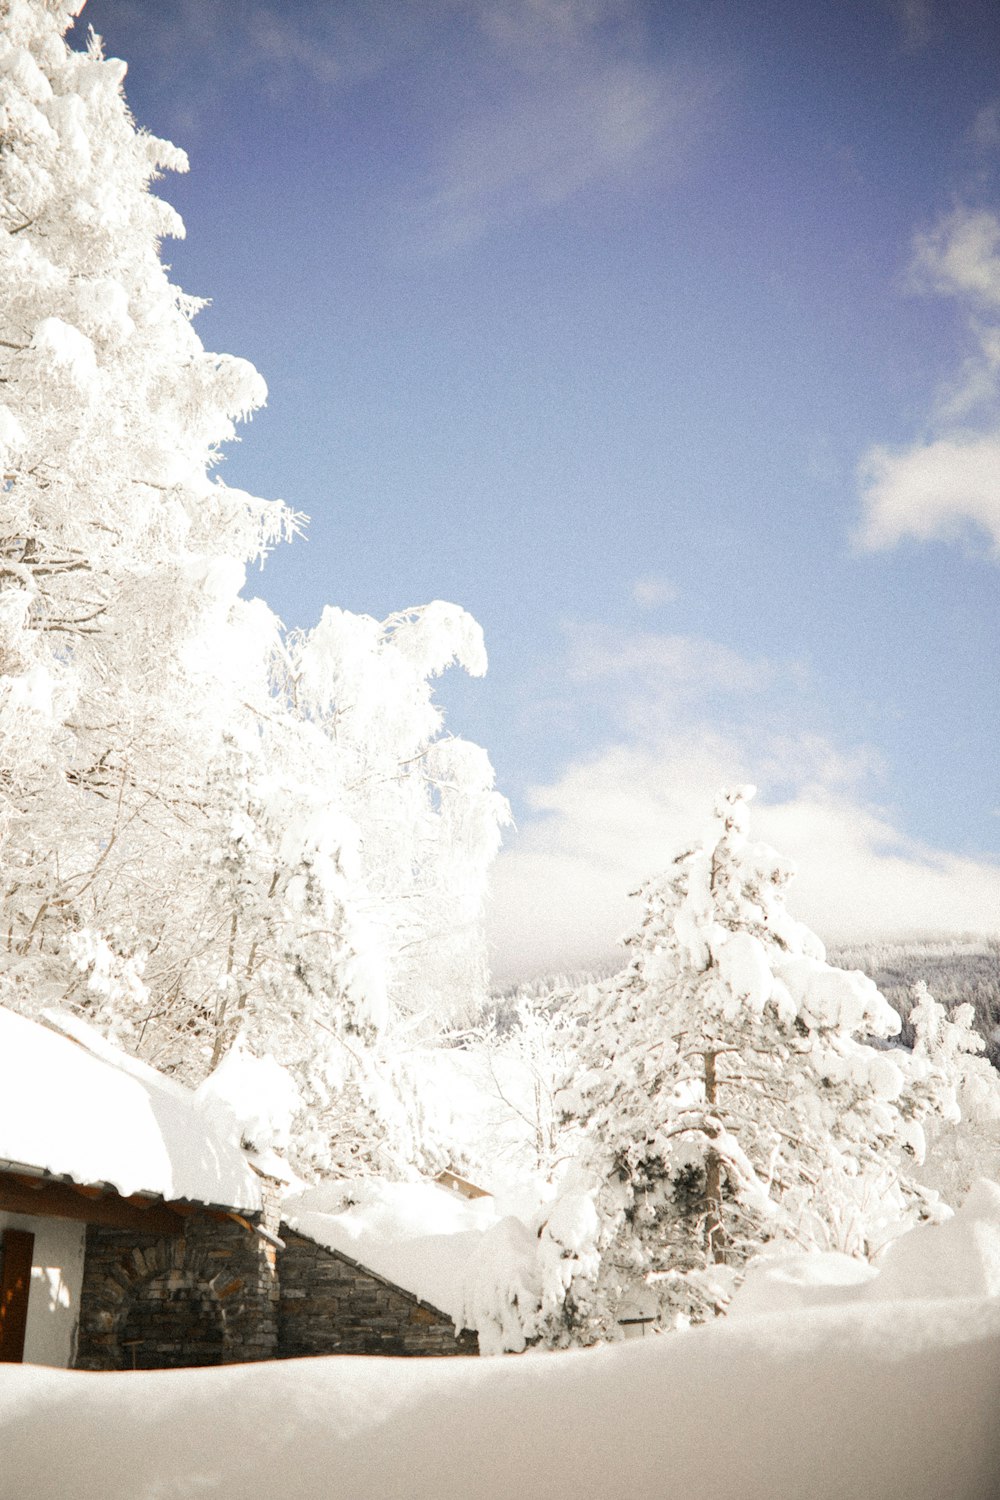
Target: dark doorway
<point>16,1253</point>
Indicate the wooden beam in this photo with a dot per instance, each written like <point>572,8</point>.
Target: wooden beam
<point>61,1200</point>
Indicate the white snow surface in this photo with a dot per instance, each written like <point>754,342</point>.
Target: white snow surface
<point>256,1095</point>
<point>418,1235</point>
<point>75,1106</point>
<point>466,1257</point>
<point>892,1396</point>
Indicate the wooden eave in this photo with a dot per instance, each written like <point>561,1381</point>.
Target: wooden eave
<point>23,1191</point>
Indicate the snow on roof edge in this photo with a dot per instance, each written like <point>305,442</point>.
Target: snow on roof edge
<point>76,1029</point>
<point>74,1107</point>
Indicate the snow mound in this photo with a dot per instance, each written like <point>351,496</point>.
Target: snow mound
<point>806,1278</point>
<point>960,1258</point>
<point>895,1401</point>
<point>957,1259</point>
<point>889,1391</point>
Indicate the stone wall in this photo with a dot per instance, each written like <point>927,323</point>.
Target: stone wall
<point>207,1296</point>
<point>217,1294</point>
<point>331,1305</point>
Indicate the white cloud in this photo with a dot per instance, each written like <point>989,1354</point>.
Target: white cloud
<point>615,817</point>
<point>950,479</point>
<point>932,489</point>
<point>652,592</point>
<point>960,257</point>
<point>560,894</point>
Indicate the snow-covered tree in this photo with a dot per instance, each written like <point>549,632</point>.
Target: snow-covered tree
<point>523,1054</point>
<point>729,1097</point>
<point>964,1131</point>
<point>209,831</point>
<point>120,550</point>
<point>424,801</point>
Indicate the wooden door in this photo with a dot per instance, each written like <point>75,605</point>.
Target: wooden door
<point>15,1285</point>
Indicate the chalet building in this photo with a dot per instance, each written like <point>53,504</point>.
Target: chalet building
<point>137,1232</point>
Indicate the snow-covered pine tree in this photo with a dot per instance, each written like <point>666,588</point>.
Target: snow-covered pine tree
<point>729,1097</point>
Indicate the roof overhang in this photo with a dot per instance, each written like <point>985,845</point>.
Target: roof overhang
<point>26,1190</point>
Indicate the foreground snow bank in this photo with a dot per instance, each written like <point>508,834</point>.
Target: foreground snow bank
<point>892,1400</point>
<point>829,1383</point>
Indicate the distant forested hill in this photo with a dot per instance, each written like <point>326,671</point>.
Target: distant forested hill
<point>955,970</point>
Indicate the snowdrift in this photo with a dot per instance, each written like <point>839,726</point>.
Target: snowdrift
<point>887,1398</point>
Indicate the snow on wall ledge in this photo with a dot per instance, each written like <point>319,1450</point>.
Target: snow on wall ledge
<point>893,1399</point>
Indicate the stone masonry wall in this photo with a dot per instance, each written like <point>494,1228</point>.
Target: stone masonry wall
<point>207,1296</point>
<point>217,1294</point>
<point>331,1305</point>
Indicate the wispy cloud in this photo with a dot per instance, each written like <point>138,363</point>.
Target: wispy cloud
<point>527,31</point>
<point>654,665</point>
<point>653,592</point>
<point>566,95</point>
<point>538,148</point>
<point>950,477</point>
<point>985,130</point>
<point>646,685</point>
<point>335,46</point>
<point>916,22</point>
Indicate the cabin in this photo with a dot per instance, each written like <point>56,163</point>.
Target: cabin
<point>139,1231</point>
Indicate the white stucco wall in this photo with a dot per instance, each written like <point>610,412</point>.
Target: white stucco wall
<point>56,1275</point>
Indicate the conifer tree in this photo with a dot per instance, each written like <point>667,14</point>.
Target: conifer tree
<point>730,1097</point>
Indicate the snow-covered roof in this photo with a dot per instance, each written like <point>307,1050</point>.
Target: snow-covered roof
<point>75,1106</point>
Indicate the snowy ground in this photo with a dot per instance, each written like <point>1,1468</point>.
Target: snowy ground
<point>861,1403</point>
<point>819,1386</point>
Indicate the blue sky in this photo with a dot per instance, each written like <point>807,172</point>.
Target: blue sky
<point>666,339</point>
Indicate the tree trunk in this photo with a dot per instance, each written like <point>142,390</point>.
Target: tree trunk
<point>715,1238</point>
